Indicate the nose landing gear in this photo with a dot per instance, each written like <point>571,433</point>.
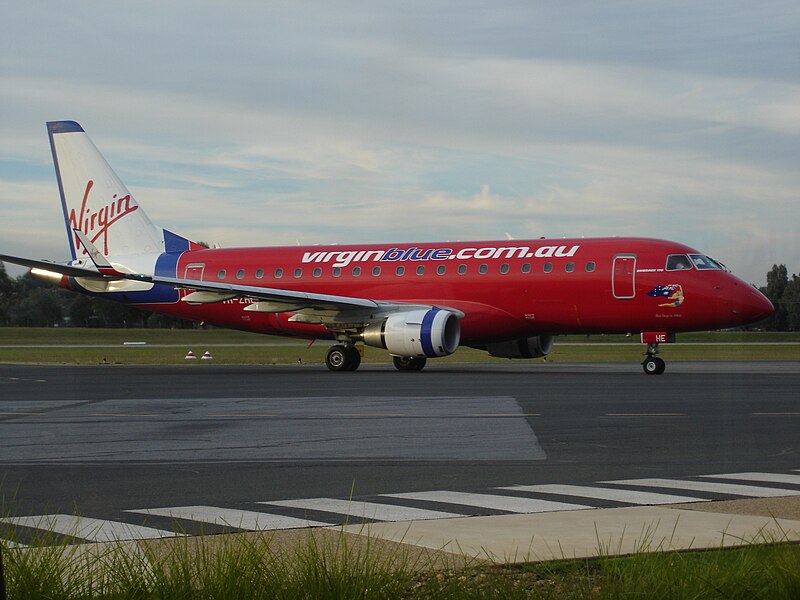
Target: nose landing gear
<point>652,364</point>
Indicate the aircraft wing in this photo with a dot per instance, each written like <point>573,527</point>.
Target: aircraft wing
<point>312,307</point>
<point>324,309</point>
<point>207,291</point>
<point>204,291</point>
<point>46,265</point>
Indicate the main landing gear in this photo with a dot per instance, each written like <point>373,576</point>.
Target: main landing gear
<point>346,357</point>
<point>653,365</point>
<point>409,363</point>
<point>343,358</point>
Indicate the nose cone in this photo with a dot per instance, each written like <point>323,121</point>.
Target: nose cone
<point>753,306</point>
<point>761,307</point>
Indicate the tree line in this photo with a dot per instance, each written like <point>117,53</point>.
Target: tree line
<point>27,301</point>
<point>784,293</point>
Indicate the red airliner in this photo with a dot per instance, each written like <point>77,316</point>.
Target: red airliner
<point>417,301</point>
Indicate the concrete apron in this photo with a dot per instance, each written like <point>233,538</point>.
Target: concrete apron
<point>516,538</point>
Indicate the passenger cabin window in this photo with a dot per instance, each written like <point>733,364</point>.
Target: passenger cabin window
<point>317,272</point>
<point>278,273</point>
<point>399,271</point>
<point>678,262</point>
<point>441,269</point>
<point>221,274</point>
<point>259,273</point>
<point>569,267</point>
<point>240,274</point>
<point>462,269</point>
<point>590,267</point>
<point>483,269</point>
<point>356,271</point>
<point>420,270</point>
<point>504,268</point>
<point>337,271</point>
<point>376,271</point>
<point>526,267</point>
<point>298,273</point>
<point>548,267</point>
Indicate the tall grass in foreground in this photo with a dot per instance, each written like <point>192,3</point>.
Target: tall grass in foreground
<point>341,567</point>
<point>235,567</point>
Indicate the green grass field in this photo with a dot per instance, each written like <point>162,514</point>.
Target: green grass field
<point>169,347</point>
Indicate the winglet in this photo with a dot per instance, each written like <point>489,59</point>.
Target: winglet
<point>100,261</point>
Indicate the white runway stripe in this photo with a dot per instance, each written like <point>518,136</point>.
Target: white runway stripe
<point>506,503</point>
<point>368,510</point>
<point>629,496</point>
<point>765,477</point>
<point>230,517</point>
<point>96,530</point>
<point>710,486</point>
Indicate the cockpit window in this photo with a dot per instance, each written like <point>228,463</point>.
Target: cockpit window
<point>678,262</point>
<point>705,263</point>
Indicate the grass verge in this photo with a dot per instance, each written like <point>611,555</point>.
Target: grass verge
<point>98,346</point>
<point>340,567</point>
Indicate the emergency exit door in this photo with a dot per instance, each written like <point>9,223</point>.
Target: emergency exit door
<point>194,271</point>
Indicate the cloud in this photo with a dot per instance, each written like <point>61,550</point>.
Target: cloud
<point>250,123</point>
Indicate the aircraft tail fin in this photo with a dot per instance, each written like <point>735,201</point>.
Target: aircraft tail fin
<point>94,199</point>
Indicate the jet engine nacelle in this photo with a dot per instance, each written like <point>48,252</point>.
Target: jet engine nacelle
<point>532,347</point>
<point>433,332</point>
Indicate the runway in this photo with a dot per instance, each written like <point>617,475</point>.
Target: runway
<point>106,442</point>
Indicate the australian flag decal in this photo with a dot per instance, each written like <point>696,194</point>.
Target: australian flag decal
<point>672,292</point>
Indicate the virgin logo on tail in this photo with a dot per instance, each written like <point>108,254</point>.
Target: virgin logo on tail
<point>95,224</point>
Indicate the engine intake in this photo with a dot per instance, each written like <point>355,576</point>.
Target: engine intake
<point>433,332</point>
<point>532,347</point>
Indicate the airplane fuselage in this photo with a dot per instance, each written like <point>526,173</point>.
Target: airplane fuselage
<point>505,289</point>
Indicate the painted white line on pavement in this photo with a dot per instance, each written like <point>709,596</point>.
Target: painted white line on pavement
<point>96,530</point>
<point>231,517</point>
<point>629,496</point>
<point>765,477</point>
<point>709,486</point>
<point>496,502</point>
<point>368,510</point>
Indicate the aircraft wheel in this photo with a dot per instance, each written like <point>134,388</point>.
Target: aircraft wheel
<point>353,357</point>
<point>409,363</point>
<point>342,358</point>
<point>338,358</point>
<point>653,365</point>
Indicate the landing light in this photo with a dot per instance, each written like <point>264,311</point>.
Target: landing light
<point>46,274</point>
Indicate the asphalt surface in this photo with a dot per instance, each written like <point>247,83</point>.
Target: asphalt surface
<point>101,440</point>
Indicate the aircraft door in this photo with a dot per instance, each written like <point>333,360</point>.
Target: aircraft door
<point>194,271</point>
<point>623,279</point>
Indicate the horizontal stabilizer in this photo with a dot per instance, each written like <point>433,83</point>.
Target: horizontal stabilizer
<point>46,265</point>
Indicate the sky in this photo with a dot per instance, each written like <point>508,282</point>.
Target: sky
<point>247,123</point>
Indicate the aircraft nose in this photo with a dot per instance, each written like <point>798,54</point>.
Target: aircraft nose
<point>759,307</point>
<point>754,306</point>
